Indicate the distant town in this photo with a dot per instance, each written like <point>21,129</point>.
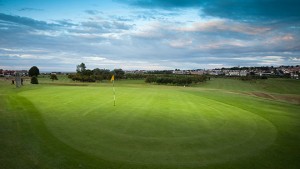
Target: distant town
<point>270,71</point>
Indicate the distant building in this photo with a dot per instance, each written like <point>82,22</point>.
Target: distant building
<point>23,72</point>
<point>244,73</point>
<point>9,73</point>
<point>197,72</point>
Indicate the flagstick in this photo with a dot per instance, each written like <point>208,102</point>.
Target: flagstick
<point>114,93</point>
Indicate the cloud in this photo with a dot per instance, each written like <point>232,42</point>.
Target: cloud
<point>65,43</point>
<point>24,56</point>
<point>225,44</point>
<point>121,18</point>
<point>163,3</point>
<point>279,39</point>
<point>26,21</point>
<point>295,59</point>
<point>94,58</point>
<point>253,10</point>
<point>152,30</point>
<point>66,22</point>
<point>224,25</point>
<point>164,39</point>
<point>233,9</point>
<point>106,25</point>
<point>154,14</point>
<point>30,9</point>
<point>181,43</point>
<point>271,60</point>
<point>24,53</point>
<point>94,28</point>
<point>93,12</point>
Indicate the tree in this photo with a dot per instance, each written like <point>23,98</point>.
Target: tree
<point>53,77</point>
<point>119,73</point>
<point>34,80</point>
<point>33,71</point>
<point>81,68</point>
<point>87,72</point>
<point>101,74</point>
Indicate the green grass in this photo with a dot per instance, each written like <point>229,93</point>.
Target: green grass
<point>217,124</point>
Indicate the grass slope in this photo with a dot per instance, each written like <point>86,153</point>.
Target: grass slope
<point>49,126</point>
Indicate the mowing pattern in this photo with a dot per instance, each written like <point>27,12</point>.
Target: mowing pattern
<point>151,125</point>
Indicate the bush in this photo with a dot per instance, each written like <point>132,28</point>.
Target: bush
<point>53,77</point>
<point>82,78</point>
<point>135,76</point>
<point>175,79</point>
<point>34,80</point>
<point>151,79</point>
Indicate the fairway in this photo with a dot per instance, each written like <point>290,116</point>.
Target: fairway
<point>151,126</point>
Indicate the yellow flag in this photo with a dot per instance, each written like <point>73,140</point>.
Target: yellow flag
<point>112,78</point>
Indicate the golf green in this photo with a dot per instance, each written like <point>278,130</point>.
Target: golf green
<point>151,125</point>
<point>220,124</point>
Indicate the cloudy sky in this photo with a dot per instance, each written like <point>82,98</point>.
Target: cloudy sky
<point>57,35</point>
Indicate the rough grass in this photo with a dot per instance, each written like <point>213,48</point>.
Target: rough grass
<point>49,126</point>
<point>285,90</point>
<point>275,85</point>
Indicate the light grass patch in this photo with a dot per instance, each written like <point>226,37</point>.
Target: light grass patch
<point>151,125</point>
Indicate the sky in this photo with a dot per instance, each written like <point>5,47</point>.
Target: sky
<point>57,35</point>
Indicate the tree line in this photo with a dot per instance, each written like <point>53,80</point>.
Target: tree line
<point>87,75</point>
<point>159,77</point>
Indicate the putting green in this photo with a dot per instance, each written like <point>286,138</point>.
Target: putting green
<point>151,125</point>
